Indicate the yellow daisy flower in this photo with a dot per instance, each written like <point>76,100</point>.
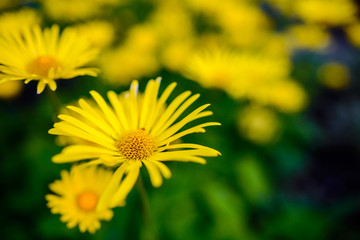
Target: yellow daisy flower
<point>135,129</point>
<point>33,54</point>
<point>17,20</point>
<point>77,195</point>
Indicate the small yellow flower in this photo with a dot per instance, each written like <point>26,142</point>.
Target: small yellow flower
<point>77,195</point>
<point>135,129</point>
<point>328,12</point>
<point>307,36</point>
<point>16,21</point>
<point>33,54</point>
<point>334,75</point>
<point>353,33</point>
<point>258,124</point>
<point>11,89</point>
<point>99,33</point>
<point>287,96</point>
<point>74,10</point>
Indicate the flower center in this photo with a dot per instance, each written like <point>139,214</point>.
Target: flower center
<point>87,201</point>
<point>136,145</point>
<point>42,65</point>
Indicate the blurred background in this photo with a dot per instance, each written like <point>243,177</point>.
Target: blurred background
<point>281,77</point>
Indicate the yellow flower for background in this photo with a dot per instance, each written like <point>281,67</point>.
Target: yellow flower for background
<point>136,56</point>
<point>286,6</point>
<point>4,4</point>
<point>307,36</point>
<point>242,22</point>
<point>328,12</point>
<point>77,195</point>
<point>73,10</point>
<point>133,130</point>
<point>258,124</point>
<point>10,89</point>
<point>334,75</point>
<point>100,34</point>
<point>287,96</point>
<point>353,34</point>
<point>44,56</point>
<point>19,20</point>
<point>215,67</point>
<point>258,72</point>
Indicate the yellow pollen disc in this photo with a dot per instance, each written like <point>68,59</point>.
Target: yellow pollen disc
<point>87,201</point>
<point>136,145</point>
<point>42,65</point>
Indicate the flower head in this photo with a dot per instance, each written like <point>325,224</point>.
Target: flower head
<point>135,129</point>
<point>77,195</point>
<point>15,21</point>
<point>33,54</point>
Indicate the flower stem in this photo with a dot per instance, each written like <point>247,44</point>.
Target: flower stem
<point>54,100</point>
<point>149,232</point>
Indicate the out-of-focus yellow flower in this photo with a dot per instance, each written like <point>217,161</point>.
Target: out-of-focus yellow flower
<point>285,6</point>
<point>77,195</point>
<point>33,54</point>
<point>258,124</point>
<point>19,20</point>
<point>287,96</point>
<point>213,68</point>
<point>5,4</point>
<point>242,22</point>
<point>134,59</point>
<point>99,33</point>
<point>11,89</point>
<point>73,10</point>
<point>257,73</point>
<point>174,43</point>
<point>174,55</point>
<point>313,37</point>
<point>167,18</point>
<point>334,75</point>
<point>133,131</point>
<point>328,12</point>
<point>245,75</point>
<point>353,34</point>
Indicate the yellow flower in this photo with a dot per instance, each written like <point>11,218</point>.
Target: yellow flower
<point>137,57</point>
<point>134,130</point>
<point>328,12</point>
<point>99,33</point>
<point>10,89</point>
<point>258,124</point>
<point>44,56</point>
<point>73,10</point>
<point>307,36</point>
<point>353,33</point>
<point>17,21</point>
<point>287,96</point>
<point>215,67</point>
<point>77,195</point>
<point>334,75</point>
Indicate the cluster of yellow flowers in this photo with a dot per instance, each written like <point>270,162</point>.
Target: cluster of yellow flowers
<point>115,138</point>
<point>233,46</point>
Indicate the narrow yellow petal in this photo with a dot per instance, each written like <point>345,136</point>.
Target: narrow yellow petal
<point>108,112</point>
<point>105,199</point>
<point>125,186</point>
<point>155,176</point>
<point>165,171</point>
<point>176,127</point>
<point>169,111</point>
